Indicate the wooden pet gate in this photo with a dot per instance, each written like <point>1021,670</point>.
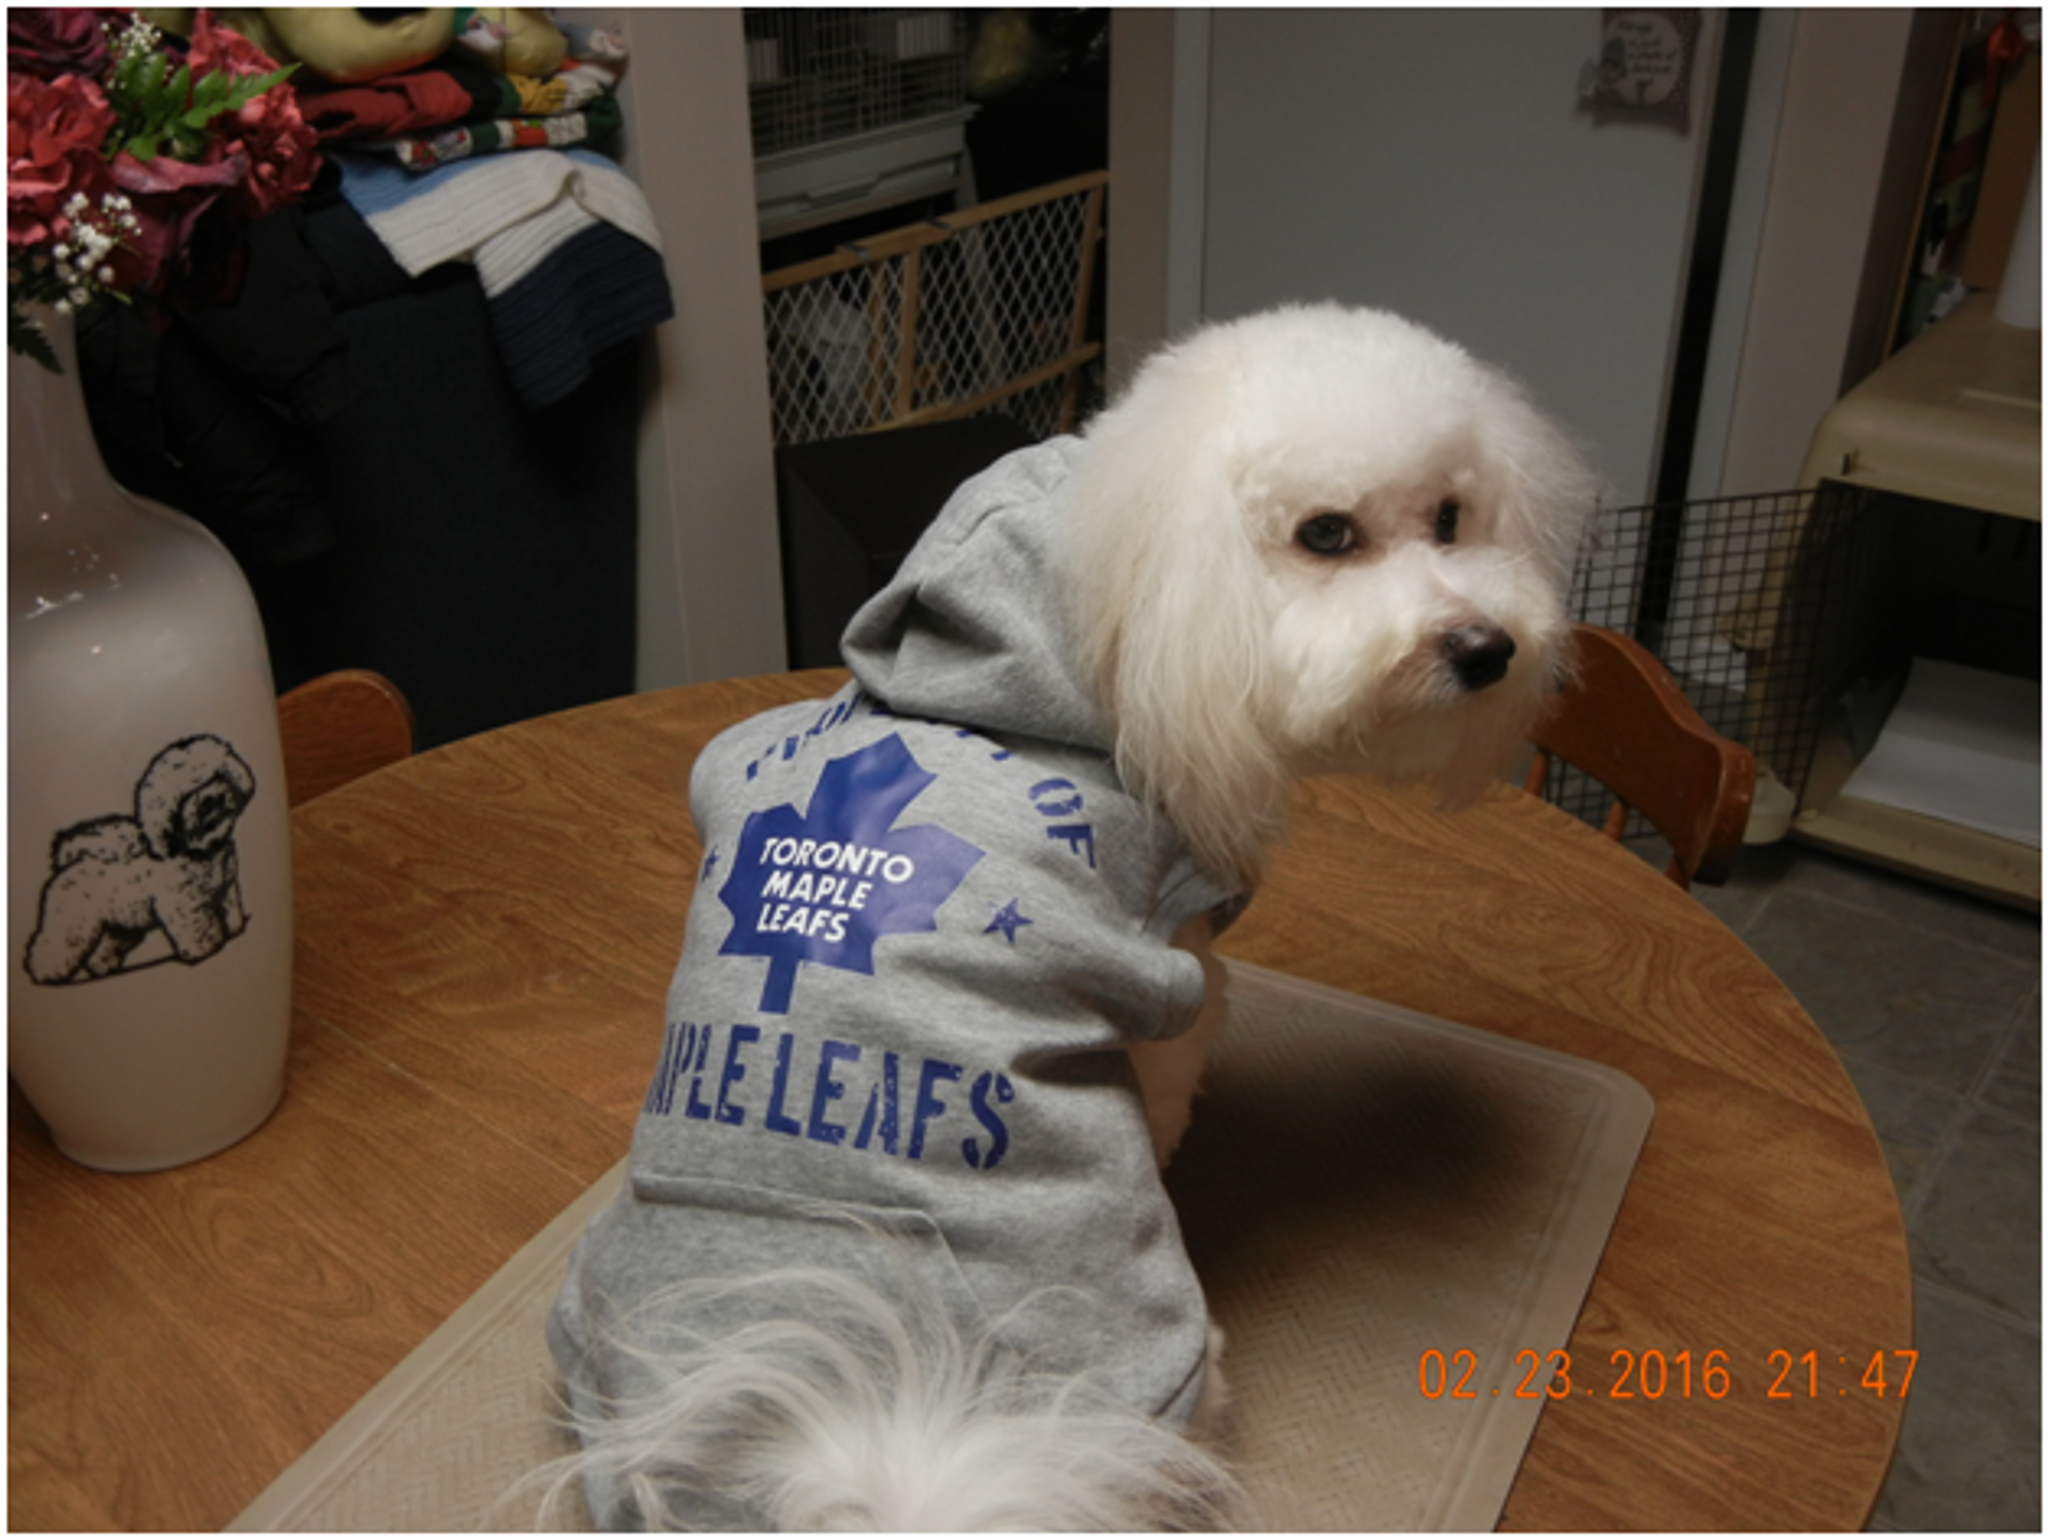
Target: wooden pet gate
<point>976,311</point>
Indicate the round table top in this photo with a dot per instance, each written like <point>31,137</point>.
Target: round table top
<point>486,934</point>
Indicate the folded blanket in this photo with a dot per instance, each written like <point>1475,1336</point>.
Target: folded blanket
<point>447,91</point>
<point>556,131</point>
<point>461,106</point>
<point>564,244</point>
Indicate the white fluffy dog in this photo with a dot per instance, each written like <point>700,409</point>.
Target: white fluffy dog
<point>895,1252</point>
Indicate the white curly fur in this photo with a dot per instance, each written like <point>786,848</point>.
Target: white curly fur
<point>1233,660</point>
<point>848,1410</point>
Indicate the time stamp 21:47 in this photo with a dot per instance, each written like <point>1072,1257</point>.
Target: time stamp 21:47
<point>1654,1375</point>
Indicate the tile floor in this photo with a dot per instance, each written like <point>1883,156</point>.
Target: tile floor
<point>1933,999</point>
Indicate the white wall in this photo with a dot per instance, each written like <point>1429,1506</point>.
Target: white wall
<point>1439,163</point>
<point>1436,162</point>
<point>710,584</point>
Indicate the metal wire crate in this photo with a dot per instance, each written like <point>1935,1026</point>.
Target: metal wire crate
<point>977,311</point>
<point>817,75</point>
<point>1770,612</point>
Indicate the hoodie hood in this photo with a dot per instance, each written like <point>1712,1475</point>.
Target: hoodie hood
<point>973,627</point>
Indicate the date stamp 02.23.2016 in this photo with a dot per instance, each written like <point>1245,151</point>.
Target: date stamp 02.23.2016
<point>1658,1375</point>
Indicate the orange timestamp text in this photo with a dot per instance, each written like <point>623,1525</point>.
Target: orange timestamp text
<point>1658,1375</point>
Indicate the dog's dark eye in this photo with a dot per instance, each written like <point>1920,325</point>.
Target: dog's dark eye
<point>1447,513</point>
<point>1327,534</point>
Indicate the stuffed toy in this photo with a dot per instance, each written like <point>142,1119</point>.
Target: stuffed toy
<point>514,40</point>
<point>346,46</point>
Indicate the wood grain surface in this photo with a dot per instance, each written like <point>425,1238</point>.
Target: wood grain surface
<point>485,938</point>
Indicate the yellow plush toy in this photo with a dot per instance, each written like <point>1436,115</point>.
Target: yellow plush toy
<point>348,46</point>
<point>515,40</point>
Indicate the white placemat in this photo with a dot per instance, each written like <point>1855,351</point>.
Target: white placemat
<point>1367,1192</point>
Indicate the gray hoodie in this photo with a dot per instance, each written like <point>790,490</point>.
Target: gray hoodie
<point>928,923</point>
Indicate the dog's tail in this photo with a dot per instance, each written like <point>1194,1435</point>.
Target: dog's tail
<point>849,1411</point>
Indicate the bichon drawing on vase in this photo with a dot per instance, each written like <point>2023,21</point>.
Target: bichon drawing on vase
<point>126,892</point>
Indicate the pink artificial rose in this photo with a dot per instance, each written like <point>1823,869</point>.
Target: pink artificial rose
<point>55,133</point>
<point>268,132</point>
<point>280,145</point>
<point>170,197</point>
<point>219,48</point>
<point>56,40</point>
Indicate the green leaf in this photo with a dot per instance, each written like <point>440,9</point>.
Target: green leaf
<point>128,67</point>
<point>146,85</point>
<point>160,109</point>
<point>257,85</point>
<point>26,337</point>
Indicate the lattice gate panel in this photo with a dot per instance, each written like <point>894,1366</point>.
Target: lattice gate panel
<point>976,311</point>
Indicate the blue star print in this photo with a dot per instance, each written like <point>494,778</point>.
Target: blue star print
<point>1008,921</point>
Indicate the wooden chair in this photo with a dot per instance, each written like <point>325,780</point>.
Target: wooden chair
<point>339,727</point>
<point>1621,720</point>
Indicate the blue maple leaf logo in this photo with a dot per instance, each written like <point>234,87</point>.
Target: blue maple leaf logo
<point>824,885</point>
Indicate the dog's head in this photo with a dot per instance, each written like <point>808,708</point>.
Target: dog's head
<point>190,796</point>
<point>1318,538</point>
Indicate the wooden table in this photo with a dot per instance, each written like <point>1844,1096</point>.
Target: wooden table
<point>486,934</point>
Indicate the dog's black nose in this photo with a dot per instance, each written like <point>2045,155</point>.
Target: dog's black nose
<point>1478,654</point>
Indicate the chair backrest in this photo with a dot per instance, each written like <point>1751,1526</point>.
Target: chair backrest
<point>1621,720</point>
<point>339,727</point>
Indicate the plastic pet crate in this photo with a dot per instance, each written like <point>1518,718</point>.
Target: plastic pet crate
<point>817,75</point>
<point>1773,614</point>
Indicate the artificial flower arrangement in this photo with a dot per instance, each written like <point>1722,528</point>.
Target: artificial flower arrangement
<point>121,144</point>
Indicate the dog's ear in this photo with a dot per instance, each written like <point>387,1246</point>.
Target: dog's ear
<point>1169,618</point>
<point>1545,489</point>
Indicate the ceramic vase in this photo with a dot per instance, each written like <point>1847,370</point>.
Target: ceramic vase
<point>149,896</point>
